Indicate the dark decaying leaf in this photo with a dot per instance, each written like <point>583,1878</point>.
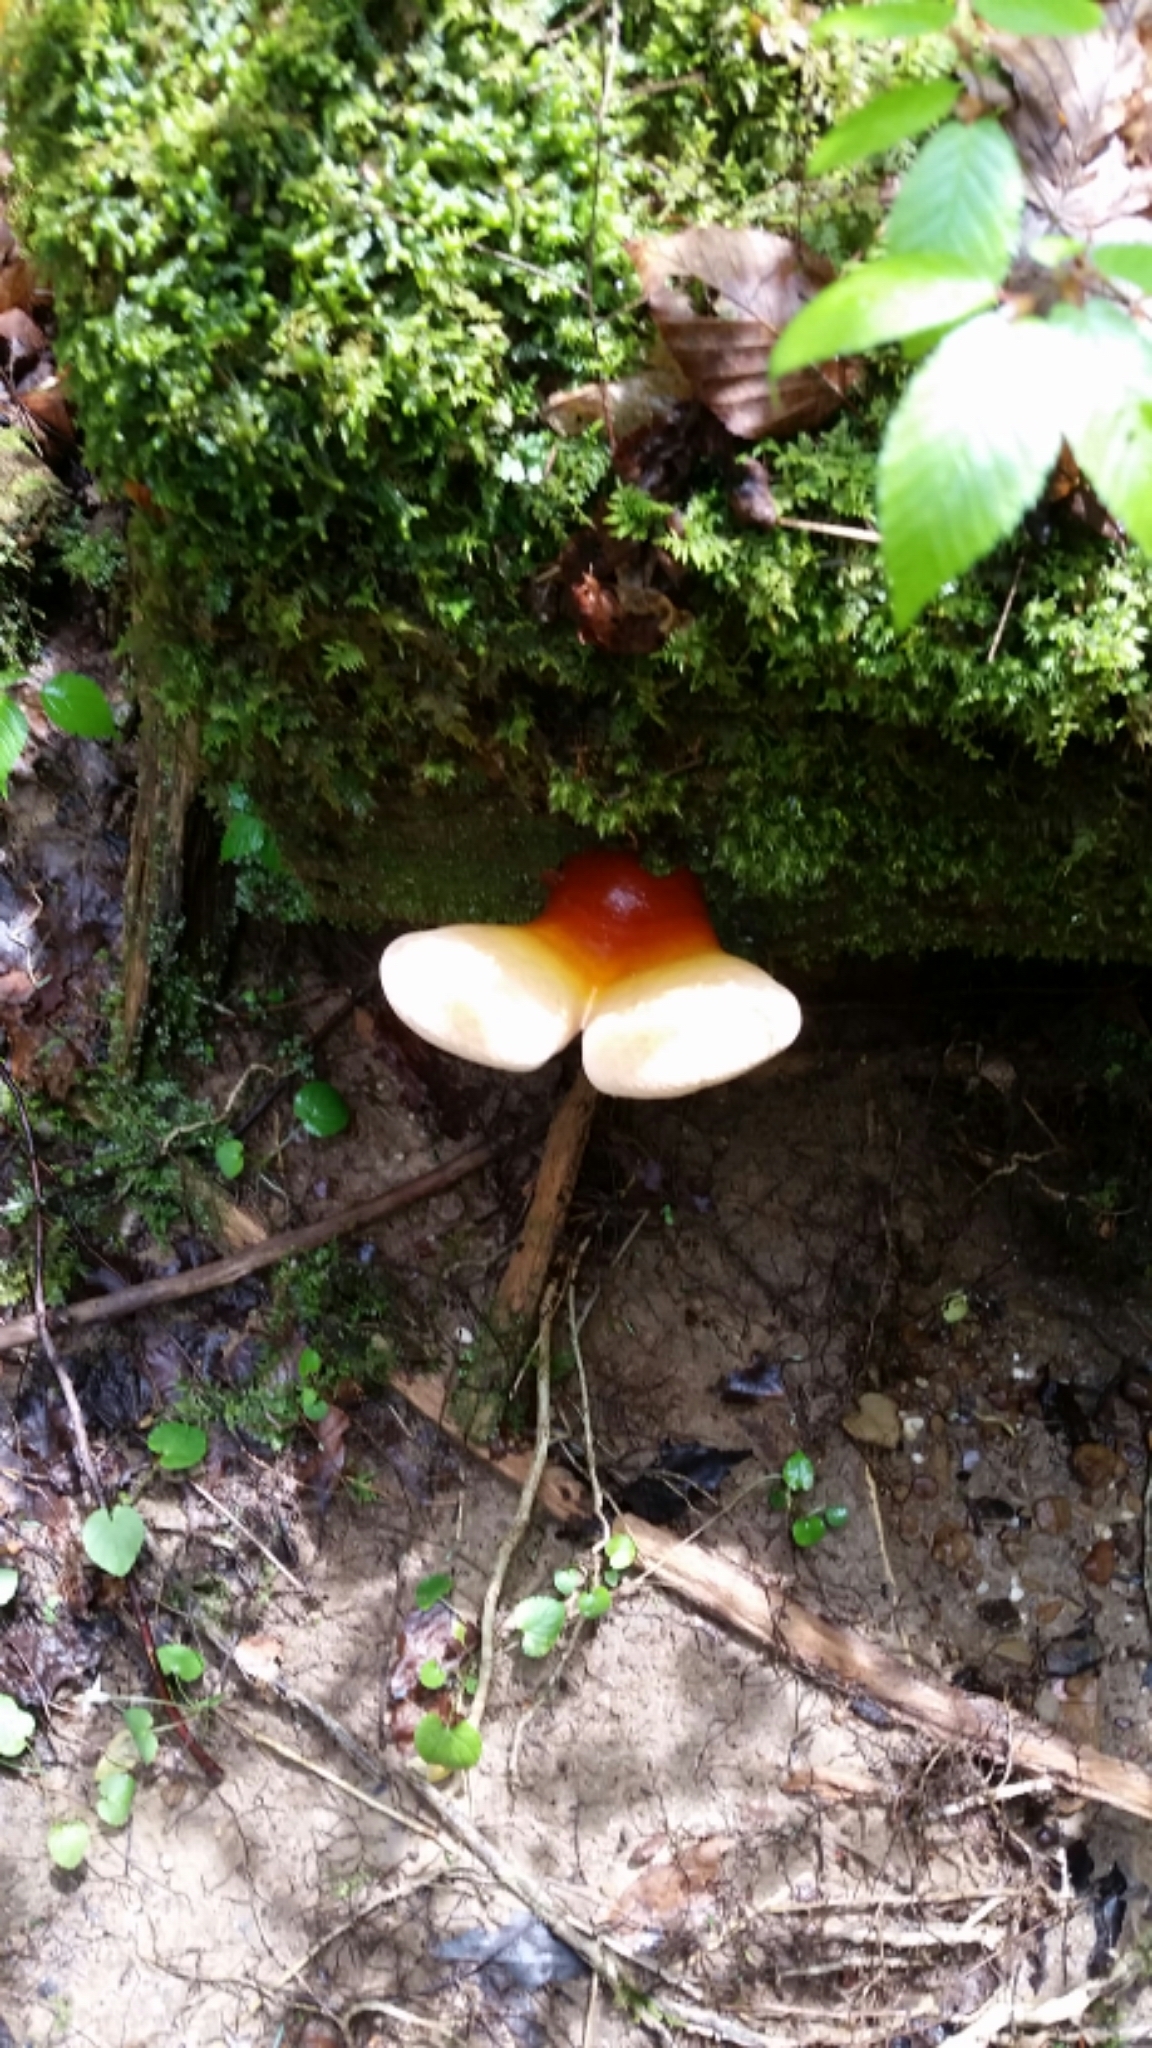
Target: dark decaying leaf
<point>736,291</point>
<point>524,1952</point>
<point>681,1476</point>
<point>31,392</point>
<point>762,1379</point>
<point>622,593</point>
<point>436,1635</point>
<point>38,1657</point>
<point>15,272</point>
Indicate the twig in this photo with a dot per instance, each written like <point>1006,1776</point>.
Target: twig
<point>389,1898</point>
<point>594,1485</point>
<point>364,2006</point>
<point>1005,610</point>
<point>106,1308</point>
<point>864,533</point>
<point>220,1509</point>
<point>218,1117</point>
<point>520,1520</point>
<point>315,1770</point>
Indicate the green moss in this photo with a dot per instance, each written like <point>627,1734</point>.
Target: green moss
<point>316,265</point>
<point>32,509</point>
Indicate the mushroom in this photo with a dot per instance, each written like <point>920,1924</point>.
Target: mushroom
<point>626,957</point>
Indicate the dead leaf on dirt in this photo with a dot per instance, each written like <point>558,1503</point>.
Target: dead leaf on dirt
<point>840,1782</point>
<point>672,1880</point>
<point>745,285</point>
<point>623,406</point>
<point>38,1657</point>
<point>874,1420</point>
<point>436,1634</point>
<point>31,392</point>
<point>1082,118</point>
<point>260,1658</point>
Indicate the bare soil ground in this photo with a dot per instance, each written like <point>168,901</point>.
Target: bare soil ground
<point>892,1210</point>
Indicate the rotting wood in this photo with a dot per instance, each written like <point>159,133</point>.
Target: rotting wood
<point>167,777</point>
<point>288,1244</point>
<point>823,1650</point>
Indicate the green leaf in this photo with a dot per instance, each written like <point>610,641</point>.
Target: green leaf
<point>967,451</point>
<point>1131,261</point>
<point>312,1404</point>
<point>452,1749</point>
<point>568,1581</point>
<point>114,1798</point>
<point>244,837</point>
<point>1042,17</point>
<point>13,736</point>
<point>114,1540</point>
<point>954,1307</point>
<point>836,1518</point>
<point>78,705</point>
<point>891,117</point>
<point>1108,417</point>
<point>177,1660</point>
<point>799,1474</point>
<point>309,1363</point>
<point>540,1620</point>
<point>139,1723</point>
<point>321,1109</point>
<point>9,1580</point>
<point>594,1603</point>
<point>620,1551</point>
<point>961,201</point>
<point>886,22</point>
<point>778,1497</point>
<point>68,1843</point>
<point>807,1530</point>
<point>437,1586</point>
<point>16,1727</point>
<point>178,1445</point>
<point>229,1156</point>
<point>432,1674</point>
<point>880,302</point>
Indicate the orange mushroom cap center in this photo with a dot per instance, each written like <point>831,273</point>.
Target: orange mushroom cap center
<point>607,917</point>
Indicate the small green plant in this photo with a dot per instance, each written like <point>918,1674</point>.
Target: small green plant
<point>114,1538</point>
<point>541,1618</point>
<point>177,1445</point>
<point>797,1476</point>
<point>68,1843</point>
<point>445,1748</point>
<point>16,1727</point>
<point>321,1109</point>
<point>74,703</point>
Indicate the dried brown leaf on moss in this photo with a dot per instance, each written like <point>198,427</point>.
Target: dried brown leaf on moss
<point>737,290</point>
<point>1082,122</point>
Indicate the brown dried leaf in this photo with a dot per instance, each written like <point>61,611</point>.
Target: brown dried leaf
<point>670,1883</point>
<point>1082,119</point>
<point>755,282</point>
<point>15,272</point>
<point>49,410</point>
<point>626,405</point>
<point>625,618</point>
<point>22,343</point>
<point>260,1658</point>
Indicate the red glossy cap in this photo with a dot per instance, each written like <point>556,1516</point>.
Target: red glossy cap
<point>611,917</point>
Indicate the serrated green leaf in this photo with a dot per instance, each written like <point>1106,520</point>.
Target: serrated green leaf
<point>961,201</point>
<point>178,1660</point>
<point>807,1530</point>
<point>114,1799</point>
<point>16,1727</point>
<point>321,1109</point>
<point>799,1473</point>
<point>68,1843</point>
<point>229,1157</point>
<point>1108,414</point>
<point>1131,261</point>
<point>244,837</point>
<point>1042,17</point>
<point>967,452</point>
<point>13,738</point>
<point>78,706</point>
<point>879,302</point>
<point>114,1540</point>
<point>892,117</point>
<point>432,1589</point>
<point>595,1603</point>
<point>449,1749</point>
<point>886,22</point>
<point>139,1723</point>
<point>178,1445</point>
<point>540,1620</point>
<point>432,1674</point>
<point>9,1580</point>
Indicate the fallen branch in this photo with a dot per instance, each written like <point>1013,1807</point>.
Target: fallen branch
<point>289,1244</point>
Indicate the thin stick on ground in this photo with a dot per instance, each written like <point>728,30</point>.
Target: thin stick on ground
<point>288,1244</point>
<point>219,1508</point>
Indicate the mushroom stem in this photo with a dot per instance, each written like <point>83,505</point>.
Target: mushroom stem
<point>516,1305</point>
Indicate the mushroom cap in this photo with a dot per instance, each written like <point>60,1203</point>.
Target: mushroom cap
<point>496,994</point>
<point>686,1025</point>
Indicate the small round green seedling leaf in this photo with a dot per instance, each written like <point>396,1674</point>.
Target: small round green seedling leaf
<point>68,1843</point>
<point>16,1727</point>
<point>449,1749</point>
<point>954,1307</point>
<point>308,1364</point>
<point>432,1674</point>
<point>178,1445</point>
<point>138,1721</point>
<point>313,1405</point>
<point>620,1552</point>
<point>114,1540</point>
<point>778,1497</point>
<point>807,1530</point>
<point>114,1799</point>
<point>9,1580</point>
<point>594,1603</point>
<point>78,706</point>
<point>799,1474</point>
<point>540,1621</point>
<point>177,1660</point>
<point>437,1586</point>
<point>836,1518</point>
<point>13,738</point>
<point>229,1157</point>
<point>321,1109</point>
<point>568,1581</point>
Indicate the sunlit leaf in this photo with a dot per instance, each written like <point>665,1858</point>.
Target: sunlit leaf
<point>114,1798</point>
<point>881,302</point>
<point>178,1445</point>
<point>432,1674</point>
<point>449,1749</point>
<point>886,22</point>
<point>540,1620</point>
<point>568,1580</point>
<point>1042,17</point>
<point>620,1551</point>
<point>967,452</point>
<point>962,199</point>
<point>229,1157</point>
<point>68,1843</point>
<point>321,1109</point>
<point>177,1660</point>
<point>16,1727</point>
<point>807,1530</point>
<point>435,1587</point>
<point>799,1473</point>
<point>114,1540</point>
<point>13,738</point>
<point>139,1723</point>
<point>78,706</point>
<point>1131,261</point>
<point>1108,416</point>
<point>594,1603</point>
<point>892,117</point>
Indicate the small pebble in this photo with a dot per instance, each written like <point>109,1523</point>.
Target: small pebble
<point>1052,1514</point>
<point>1096,1466</point>
<point>1100,1562</point>
<point>952,1546</point>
